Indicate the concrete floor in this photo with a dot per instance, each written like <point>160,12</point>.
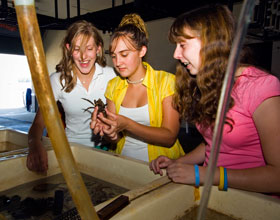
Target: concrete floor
<point>16,118</point>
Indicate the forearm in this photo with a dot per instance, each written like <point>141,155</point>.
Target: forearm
<point>153,135</point>
<point>196,156</point>
<point>262,179</point>
<point>34,139</point>
<point>36,130</point>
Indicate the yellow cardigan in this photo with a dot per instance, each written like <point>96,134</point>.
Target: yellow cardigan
<point>160,84</point>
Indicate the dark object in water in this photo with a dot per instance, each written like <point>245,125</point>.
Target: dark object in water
<point>26,208</point>
<point>9,204</point>
<point>58,202</point>
<point>104,214</point>
<point>99,103</point>
<point>31,207</point>
<point>4,200</point>
<point>35,207</point>
<point>51,200</point>
<point>43,187</point>
<point>70,214</point>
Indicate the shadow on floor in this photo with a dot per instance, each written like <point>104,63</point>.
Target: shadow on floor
<point>16,119</point>
<point>20,119</point>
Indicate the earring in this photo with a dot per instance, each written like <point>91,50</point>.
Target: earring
<point>97,54</point>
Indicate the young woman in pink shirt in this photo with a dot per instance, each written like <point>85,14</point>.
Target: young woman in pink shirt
<point>249,157</point>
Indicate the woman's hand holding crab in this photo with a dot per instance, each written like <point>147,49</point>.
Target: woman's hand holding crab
<point>109,126</point>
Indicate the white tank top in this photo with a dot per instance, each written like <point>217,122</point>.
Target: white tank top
<point>134,147</point>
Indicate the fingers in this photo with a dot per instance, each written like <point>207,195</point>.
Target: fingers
<point>43,161</point>
<point>92,124</point>
<point>110,133</point>
<point>28,163</point>
<point>158,164</point>
<point>107,121</point>
<point>32,163</point>
<point>101,132</point>
<point>181,173</point>
<point>111,115</point>
<point>96,129</point>
<point>97,124</point>
<point>107,125</point>
<point>37,160</point>
<point>155,167</point>
<point>174,175</point>
<point>110,130</point>
<point>36,164</point>
<point>94,118</point>
<point>99,127</point>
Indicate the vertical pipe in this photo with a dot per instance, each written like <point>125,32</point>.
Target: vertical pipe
<point>230,4</point>
<point>78,8</point>
<point>56,9</point>
<point>33,48</point>
<point>243,22</point>
<point>113,3</point>
<point>68,8</point>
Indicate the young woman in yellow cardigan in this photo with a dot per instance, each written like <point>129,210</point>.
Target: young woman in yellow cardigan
<point>140,119</point>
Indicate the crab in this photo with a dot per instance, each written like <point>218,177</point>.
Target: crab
<point>96,103</point>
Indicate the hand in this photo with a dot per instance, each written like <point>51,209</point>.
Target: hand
<point>181,173</point>
<point>96,125</point>
<point>37,158</point>
<point>93,123</point>
<point>160,163</point>
<point>114,124</point>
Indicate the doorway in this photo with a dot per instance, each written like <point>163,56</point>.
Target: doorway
<point>15,80</point>
<point>14,86</point>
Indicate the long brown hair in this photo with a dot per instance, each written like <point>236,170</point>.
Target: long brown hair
<point>132,28</point>
<point>197,97</point>
<point>86,30</point>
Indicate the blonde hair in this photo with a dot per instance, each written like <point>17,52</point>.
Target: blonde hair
<point>132,28</point>
<point>136,20</point>
<point>85,30</point>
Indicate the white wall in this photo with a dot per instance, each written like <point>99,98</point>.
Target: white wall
<point>52,40</point>
<point>160,51</point>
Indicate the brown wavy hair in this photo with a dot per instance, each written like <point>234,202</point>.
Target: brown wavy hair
<point>86,30</point>
<point>133,29</point>
<point>197,97</point>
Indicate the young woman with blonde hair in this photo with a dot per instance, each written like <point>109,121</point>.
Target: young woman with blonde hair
<point>81,73</point>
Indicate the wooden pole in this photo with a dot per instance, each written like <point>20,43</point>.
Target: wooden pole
<point>33,48</point>
<point>122,201</point>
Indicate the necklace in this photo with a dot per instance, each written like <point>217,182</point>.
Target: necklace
<point>135,82</point>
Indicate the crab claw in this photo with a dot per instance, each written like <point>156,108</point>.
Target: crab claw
<point>87,109</point>
<point>89,101</point>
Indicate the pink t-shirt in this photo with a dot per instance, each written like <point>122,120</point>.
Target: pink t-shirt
<point>241,147</point>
